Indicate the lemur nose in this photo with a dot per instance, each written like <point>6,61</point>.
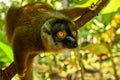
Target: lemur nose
<point>72,42</point>
<point>70,39</point>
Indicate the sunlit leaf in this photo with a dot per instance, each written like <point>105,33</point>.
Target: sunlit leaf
<point>98,49</point>
<point>84,3</point>
<point>115,21</point>
<point>7,50</point>
<point>113,6</point>
<point>108,35</point>
<point>110,10</point>
<point>3,57</point>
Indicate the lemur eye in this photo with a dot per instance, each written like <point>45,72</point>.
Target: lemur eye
<point>74,33</point>
<point>61,34</point>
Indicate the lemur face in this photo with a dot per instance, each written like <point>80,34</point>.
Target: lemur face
<point>58,34</point>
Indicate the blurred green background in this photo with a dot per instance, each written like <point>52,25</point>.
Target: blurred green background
<point>96,58</point>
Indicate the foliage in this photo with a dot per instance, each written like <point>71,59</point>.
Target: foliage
<point>99,42</point>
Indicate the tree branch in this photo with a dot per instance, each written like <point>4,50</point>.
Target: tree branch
<point>91,13</point>
<point>8,73</point>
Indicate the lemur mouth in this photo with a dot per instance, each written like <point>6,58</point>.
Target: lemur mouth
<point>72,46</point>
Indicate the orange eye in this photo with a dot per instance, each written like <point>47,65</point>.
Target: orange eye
<point>61,34</point>
<point>74,33</point>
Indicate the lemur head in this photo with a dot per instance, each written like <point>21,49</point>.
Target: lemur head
<point>57,34</point>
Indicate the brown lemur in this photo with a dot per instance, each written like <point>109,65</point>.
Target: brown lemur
<point>36,28</point>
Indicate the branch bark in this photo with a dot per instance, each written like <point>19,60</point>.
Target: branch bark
<point>90,13</point>
<point>10,71</point>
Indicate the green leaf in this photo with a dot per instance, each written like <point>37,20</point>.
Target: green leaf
<point>98,49</point>
<point>7,50</point>
<point>65,67</point>
<point>3,57</point>
<point>85,3</point>
<point>112,6</point>
<point>85,57</point>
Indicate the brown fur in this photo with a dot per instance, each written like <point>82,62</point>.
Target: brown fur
<point>23,26</point>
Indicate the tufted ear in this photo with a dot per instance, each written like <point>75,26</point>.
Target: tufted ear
<point>74,13</point>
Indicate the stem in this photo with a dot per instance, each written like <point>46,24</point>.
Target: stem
<point>80,63</point>
<point>100,65</point>
<point>82,67</point>
<point>114,66</point>
<point>113,63</point>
